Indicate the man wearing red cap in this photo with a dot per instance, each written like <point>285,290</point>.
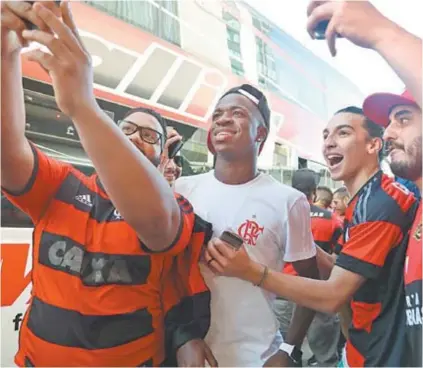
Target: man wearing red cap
<point>401,117</point>
<point>274,222</point>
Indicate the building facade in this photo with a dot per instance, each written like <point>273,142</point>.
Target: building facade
<point>178,57</point>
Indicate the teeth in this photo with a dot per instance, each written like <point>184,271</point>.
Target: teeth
<point>222,134</point>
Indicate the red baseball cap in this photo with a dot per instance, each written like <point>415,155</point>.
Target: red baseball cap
<point>378,106</point>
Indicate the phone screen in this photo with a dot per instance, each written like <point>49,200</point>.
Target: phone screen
<point>233,239</point>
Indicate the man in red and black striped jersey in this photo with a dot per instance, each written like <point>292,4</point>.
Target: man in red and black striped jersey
<point>340,202</point>
<point>402,117</point>
<point>368,271</point>
<point>93,264</point>
<point>325,226</point>
<point>324,197</point>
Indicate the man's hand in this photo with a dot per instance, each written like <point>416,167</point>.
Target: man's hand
<point>280,359</point>
<point>194,354</point>
<point>12,25</point>
<point>223,260</point>
<point>358,21</point>
<point>68,63</point>
<point>172,137</point>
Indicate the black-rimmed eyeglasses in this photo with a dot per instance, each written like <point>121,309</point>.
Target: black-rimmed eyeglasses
<point>148,135</point>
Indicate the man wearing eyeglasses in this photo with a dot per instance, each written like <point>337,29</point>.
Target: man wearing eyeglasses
<point>104,245</point>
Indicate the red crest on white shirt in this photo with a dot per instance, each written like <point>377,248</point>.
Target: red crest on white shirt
<point>250,231</point>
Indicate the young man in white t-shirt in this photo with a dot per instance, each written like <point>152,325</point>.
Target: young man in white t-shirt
<point>274,221</point>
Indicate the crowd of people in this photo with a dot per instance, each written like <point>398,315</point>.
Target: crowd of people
<point>129,268</point>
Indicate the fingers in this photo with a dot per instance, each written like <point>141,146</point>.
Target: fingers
<point>64,33</point>
<point>220,253</point>
<point>24,10</point>
<point>172,140</point>
<point>55,45</point>
<point>212,262</point>
<point>46,61</point>
<point>171,131</point>
<point>10,21</point>
<point>67,17</point>
<point>224,248</point>
<point>319,14</point>
<point>331,36</point>
<point>313,5</point>
<point>210,357</point>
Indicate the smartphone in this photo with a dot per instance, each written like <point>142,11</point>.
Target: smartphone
<point>320,30</point>
<point>234,240</point>
<point>178,161</point>
<point>174,148</point>
<point>29,25</point>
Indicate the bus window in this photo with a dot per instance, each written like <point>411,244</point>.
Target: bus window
<point>11,216</point>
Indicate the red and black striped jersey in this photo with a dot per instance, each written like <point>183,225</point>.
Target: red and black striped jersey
<point>413,292</point>
<point>326,228</point>
<point>377,223</point>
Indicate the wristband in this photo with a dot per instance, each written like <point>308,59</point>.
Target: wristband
<point>263,277</point>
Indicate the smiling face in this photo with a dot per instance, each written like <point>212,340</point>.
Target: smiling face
<point>404,140</point>
<point>142,119</point>
<point>347,146</point>
<point>172,172</point>
<point>236,127</point>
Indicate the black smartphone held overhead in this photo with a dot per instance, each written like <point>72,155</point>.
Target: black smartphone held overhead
<point>29,25</point>
<point>234,240</point>
<point>174,148</point>
<point>320,30</point>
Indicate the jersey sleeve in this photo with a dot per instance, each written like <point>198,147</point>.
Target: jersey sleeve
<point>186,298</point>
<point>297,235</point>
<point>46,177</point>
<point>189,225</point>
<point>368,245</point>
<point>375,229</point>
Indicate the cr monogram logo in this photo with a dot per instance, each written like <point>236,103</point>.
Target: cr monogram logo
<point>250,231</point>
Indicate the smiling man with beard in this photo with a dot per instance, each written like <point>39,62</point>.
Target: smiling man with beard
<point>103,244</point>
<point>402,117</point>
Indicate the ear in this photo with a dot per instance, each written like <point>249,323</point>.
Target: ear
<point>261,134</point>
<point>375,145</point>
<point>346,200</point>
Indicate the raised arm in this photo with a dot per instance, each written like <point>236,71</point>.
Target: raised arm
<point>135,186</point>
<point>361,23</point>
<point>405,58</point>
<point>29,178</point>
<point>15,149</point>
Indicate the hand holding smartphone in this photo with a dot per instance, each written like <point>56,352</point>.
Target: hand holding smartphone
<point>29,25</point>
<point>234,240</point>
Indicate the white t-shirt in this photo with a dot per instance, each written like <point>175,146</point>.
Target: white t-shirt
<point>274,221</point>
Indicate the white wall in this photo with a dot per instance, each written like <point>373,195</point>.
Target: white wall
<point>202,32</point>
